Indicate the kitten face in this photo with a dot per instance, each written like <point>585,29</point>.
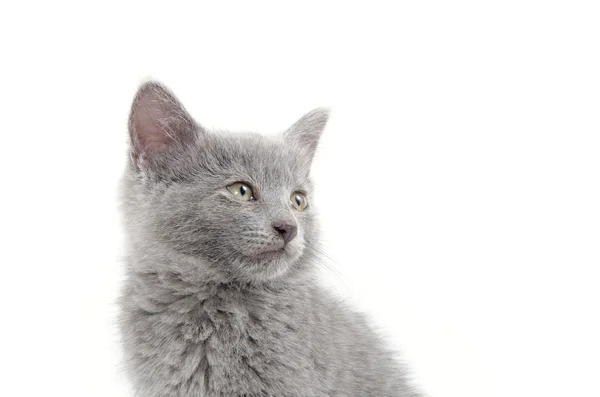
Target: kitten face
<point>200,216</point>
<point>180,174</point>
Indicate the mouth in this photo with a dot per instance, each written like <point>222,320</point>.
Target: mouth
<point>274,251</point>
<point>276,246</point>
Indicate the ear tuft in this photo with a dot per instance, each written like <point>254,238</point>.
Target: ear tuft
<point>305,133</point>
<point>157,121</point>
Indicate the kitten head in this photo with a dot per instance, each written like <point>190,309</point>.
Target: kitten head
<point>237,206</point>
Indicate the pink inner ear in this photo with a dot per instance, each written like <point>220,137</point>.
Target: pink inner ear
<point>152,138</point>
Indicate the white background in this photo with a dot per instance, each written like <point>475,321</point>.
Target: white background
<point>458,180</point>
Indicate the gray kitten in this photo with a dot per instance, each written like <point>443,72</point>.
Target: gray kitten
<point>221,297</point>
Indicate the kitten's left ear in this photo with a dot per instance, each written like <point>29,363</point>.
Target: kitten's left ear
<point>304,134</point>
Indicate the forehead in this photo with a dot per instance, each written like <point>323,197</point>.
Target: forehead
<point>266,160</point>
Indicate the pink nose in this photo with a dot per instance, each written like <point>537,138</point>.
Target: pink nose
<point>285,230</point>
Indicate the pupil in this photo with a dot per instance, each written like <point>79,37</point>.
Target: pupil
<point>298,200</point>
<point>243,190</point>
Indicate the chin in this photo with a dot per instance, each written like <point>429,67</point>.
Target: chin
<point>270,265</point>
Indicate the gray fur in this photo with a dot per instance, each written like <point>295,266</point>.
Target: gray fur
<point>214,303</point>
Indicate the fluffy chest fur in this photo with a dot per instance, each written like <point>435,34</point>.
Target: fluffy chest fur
<point>224,341</point>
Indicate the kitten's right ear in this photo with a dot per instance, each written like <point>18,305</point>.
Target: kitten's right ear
<point>158,122</point>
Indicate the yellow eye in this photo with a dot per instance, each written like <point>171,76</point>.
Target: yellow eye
<point>241,191</point>
<point>299,201</point>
